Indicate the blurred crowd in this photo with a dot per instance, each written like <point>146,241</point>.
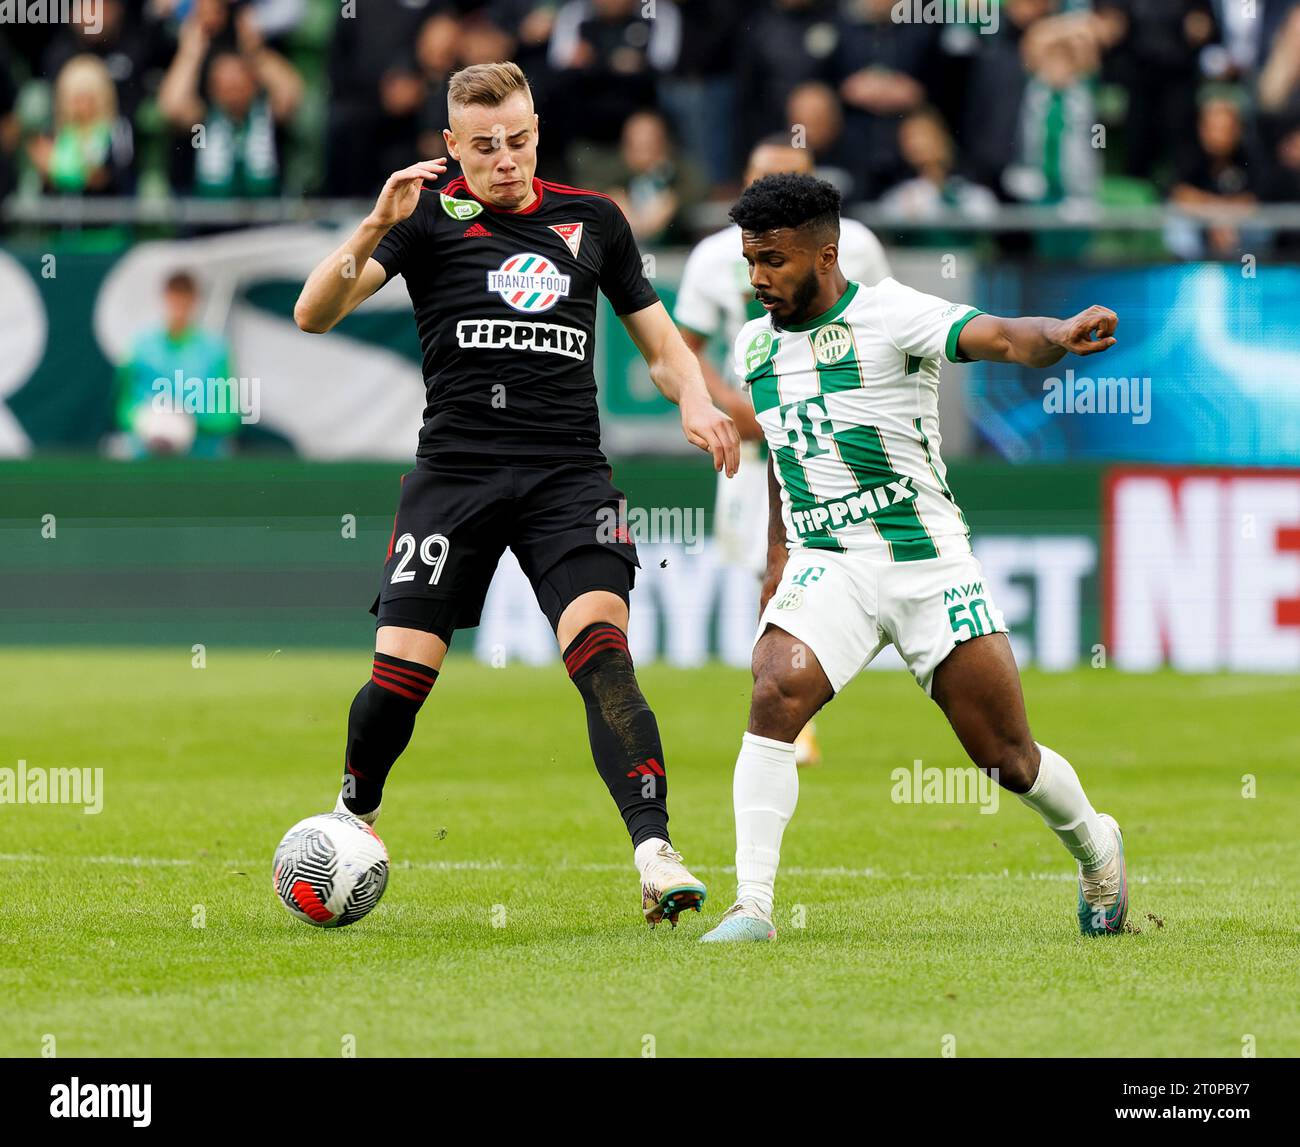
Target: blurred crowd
<point>659,101</point>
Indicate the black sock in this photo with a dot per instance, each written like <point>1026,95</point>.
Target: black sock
<point>624,735</point>
<point>380,724</point>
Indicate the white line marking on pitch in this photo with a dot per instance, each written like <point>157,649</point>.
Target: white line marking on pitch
<point>503,866</point>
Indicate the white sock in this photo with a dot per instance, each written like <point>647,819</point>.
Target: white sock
<point>764,792</point>
<point>1058,797</point>
<point>645,850</point>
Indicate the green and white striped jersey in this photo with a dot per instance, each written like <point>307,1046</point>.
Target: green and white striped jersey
<point>849,403</point>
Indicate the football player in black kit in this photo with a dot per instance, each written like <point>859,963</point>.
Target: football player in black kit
<point>502,269</point>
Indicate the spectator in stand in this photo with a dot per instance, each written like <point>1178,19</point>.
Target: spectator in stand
<point>653,185</point>
<point>1283,171</point>
<point>1057,159</point>
<point>219,20</point>
<point>166,383</point>
<point>90,151</point>
<point>532,22</point>
<point>1152,50</point>
<point>882,69</point>
<point>782,44</point>
<point>437,49</point>
<point>927,149</point>
<point>10,128</point>
<point>608,58</point>
<point>816,122</point>
<point>278,19</point>
<point>1279,81</point>
<point>129,47</point>
<point>700,94</point>
<point>249,94</point>
<point>1279,120</point>
<point>1246,33</point>
<point>1216,181</point>
<point>378,91</point>
<point>989,126</point>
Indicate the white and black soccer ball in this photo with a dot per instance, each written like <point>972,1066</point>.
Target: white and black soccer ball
<point>165,431</point>
<point>330,869</point>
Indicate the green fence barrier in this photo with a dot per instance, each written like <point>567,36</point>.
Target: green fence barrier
<point>288,553</point>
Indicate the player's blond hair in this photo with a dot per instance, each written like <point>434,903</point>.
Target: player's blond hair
<point>486,85</point>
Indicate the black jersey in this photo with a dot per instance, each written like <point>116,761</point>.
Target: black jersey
<point>505,306</point>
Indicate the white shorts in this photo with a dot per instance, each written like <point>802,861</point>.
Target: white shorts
<point>740,513</point>
<point>847,608</point>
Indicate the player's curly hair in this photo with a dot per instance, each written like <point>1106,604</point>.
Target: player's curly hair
<point>788,200</point>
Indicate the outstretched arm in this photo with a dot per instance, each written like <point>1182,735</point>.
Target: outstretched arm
<point>676,372</point>
<point>1037,341</point>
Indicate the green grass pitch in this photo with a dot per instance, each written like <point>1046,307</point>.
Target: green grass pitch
<point>511,924</point>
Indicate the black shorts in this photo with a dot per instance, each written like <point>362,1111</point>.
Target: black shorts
<point>566,524</point>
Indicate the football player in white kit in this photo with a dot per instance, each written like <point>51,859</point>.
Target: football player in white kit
<point>714,300</point>
<point>866,543</point>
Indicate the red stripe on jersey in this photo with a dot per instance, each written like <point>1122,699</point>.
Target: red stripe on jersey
<point>565,189</point>
<point>393,536</point>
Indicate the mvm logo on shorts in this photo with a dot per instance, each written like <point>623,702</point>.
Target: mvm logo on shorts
<point>528,283</point>
<point>548,338</point>
<point>854,509</point>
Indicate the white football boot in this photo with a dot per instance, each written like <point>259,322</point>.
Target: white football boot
<point>1103,892</point>
<point>369,817</point>
<point>667,888</point>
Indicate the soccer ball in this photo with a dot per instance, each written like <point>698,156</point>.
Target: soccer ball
<point>165,431</point>
<point>330,870</point>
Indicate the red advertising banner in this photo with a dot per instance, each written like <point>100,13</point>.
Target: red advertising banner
<point>1201,569</point>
